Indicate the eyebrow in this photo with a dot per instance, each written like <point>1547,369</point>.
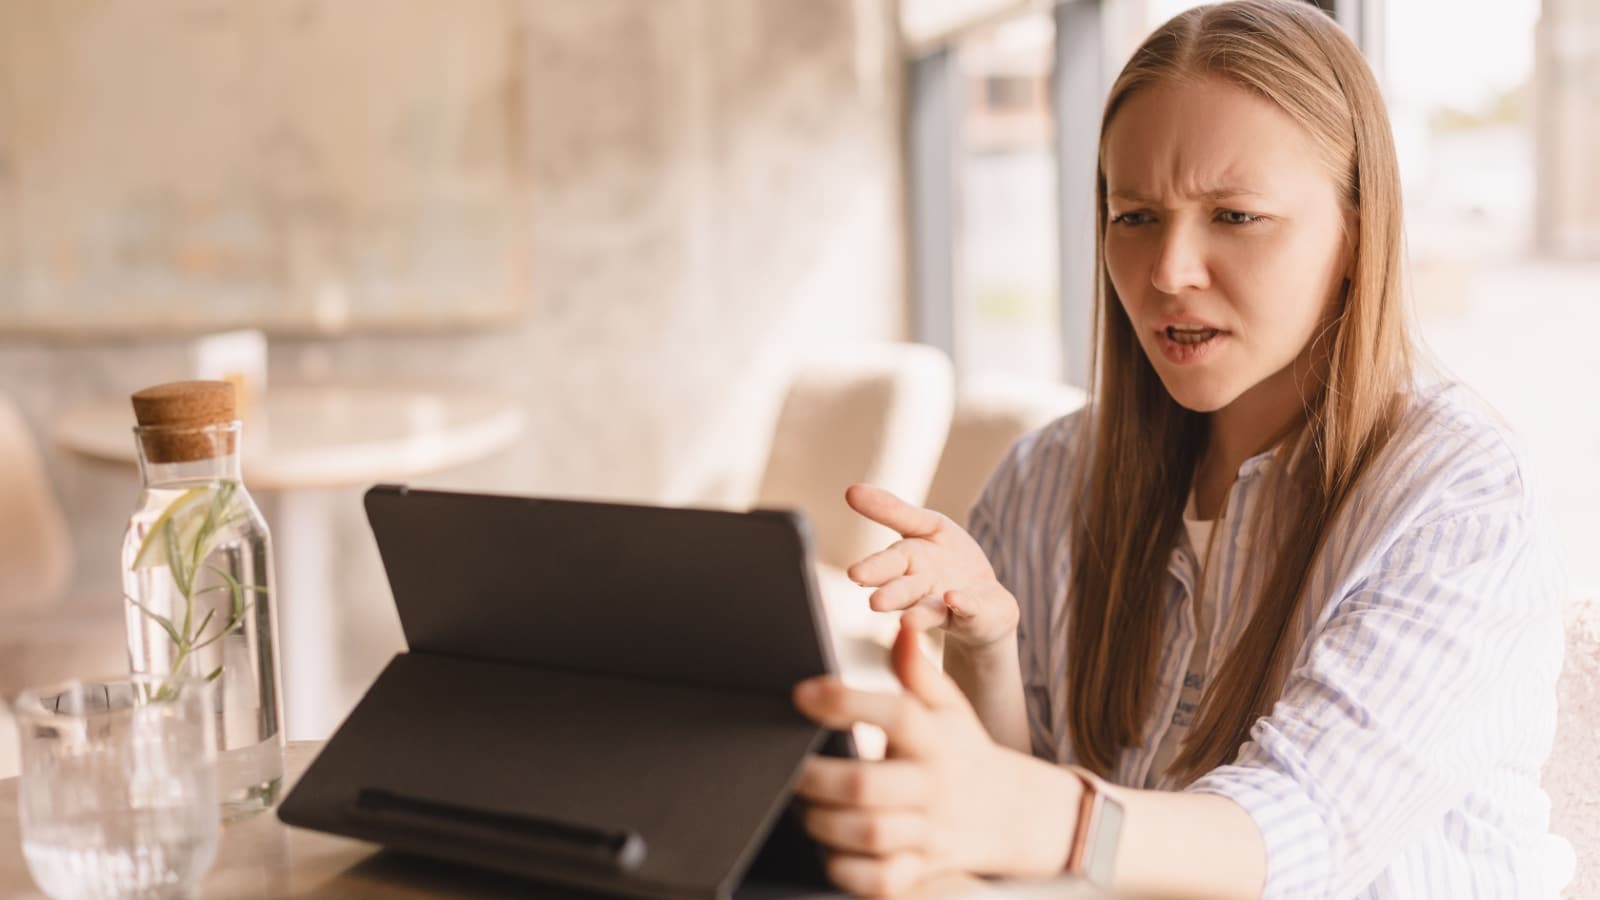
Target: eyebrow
<point>1219,193</point>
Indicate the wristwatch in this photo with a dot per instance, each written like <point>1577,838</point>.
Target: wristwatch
<point>1093,855</point>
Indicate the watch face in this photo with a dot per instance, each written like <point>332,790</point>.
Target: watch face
<point>1102,855</point>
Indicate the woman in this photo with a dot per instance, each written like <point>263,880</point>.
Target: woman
<point>1269,617</point>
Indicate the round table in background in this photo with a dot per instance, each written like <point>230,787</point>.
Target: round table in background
<point>305,438</point>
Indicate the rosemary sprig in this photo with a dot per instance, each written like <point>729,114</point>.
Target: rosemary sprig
<point>186,563</point>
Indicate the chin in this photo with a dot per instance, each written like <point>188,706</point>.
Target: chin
<point>1199,397</point>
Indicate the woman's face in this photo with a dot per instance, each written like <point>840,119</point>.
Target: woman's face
<point>1225,240</point>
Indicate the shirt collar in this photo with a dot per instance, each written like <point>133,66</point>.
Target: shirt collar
<point>1251,467</point>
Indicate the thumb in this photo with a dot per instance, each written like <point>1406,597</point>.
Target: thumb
<point>961,604</point>
<point>920,677</point>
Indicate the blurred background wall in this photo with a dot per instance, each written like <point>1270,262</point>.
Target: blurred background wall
<point>710,187</point>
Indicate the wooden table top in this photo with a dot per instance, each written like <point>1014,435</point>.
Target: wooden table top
<point>261,857</point>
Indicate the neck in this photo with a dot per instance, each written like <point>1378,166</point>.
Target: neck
<point>1262,415</point>
<point>1246,428</point>
<point>1252,423</point>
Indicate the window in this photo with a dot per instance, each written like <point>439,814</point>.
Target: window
<point>1005,236</point>
<point>1497,139</point>
<point>1011,95</point>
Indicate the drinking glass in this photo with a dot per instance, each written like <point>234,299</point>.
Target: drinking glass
<point>118,792</point>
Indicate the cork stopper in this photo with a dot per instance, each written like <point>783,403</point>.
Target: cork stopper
<point>175,419</point>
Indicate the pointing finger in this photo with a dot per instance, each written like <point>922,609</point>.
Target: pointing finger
<point>885,508</point>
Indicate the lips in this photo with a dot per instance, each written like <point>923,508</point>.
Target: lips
<point>1187,327</point>
<point>1184,342</point>
<point>1186,321</point>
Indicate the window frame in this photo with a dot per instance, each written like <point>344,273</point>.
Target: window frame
<point>1079,81</point>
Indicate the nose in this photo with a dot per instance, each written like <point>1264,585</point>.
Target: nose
<point>1180,264</point>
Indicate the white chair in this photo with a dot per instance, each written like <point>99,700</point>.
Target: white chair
<point>875,413</point>
<point>35,553</point>
<point>991,413</point>
<point>42,639</point>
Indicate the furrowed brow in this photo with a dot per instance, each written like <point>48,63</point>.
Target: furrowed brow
<point>1210,195</point>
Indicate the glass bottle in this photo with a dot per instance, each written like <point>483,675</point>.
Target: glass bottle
<point>197,580</point>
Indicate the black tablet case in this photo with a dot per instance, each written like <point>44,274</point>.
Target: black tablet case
<point>596,695</point>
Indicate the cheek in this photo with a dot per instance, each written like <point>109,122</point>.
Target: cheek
<point>1276,292</point>
<point>1124,267</point>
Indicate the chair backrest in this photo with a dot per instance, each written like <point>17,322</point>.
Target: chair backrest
<point>35,549</point>
<point>992,412</point>
<point>1572,778</point>
<point>874,413</point>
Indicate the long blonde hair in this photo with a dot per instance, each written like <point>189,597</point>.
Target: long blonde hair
<point>1143,447</point>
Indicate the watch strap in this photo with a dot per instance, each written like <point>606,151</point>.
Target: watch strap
<point>1093,830</point>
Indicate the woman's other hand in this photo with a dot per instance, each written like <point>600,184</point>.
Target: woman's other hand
<point>946,799</point>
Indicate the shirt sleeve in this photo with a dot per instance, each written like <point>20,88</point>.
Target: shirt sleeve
<point>996,523</point>
<point>1407,696</point>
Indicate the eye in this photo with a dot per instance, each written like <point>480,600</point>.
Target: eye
<point>1235,217</point>
<point>1131,219</point>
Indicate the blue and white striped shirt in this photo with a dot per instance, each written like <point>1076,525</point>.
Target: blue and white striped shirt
<point>1403,758</point>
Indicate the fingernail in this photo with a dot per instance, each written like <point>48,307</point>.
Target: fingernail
<point>808,691</point>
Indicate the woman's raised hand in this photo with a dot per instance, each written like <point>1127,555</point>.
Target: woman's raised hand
<point>937,573</point>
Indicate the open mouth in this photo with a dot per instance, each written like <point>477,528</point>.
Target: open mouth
<point>1184,344</point>
<point>1191,336</point>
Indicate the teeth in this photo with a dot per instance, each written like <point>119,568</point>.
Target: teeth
<point>1190,335</point>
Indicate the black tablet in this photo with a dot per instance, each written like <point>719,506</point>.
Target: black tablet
<point>692,595</point>
<point>595,695</point>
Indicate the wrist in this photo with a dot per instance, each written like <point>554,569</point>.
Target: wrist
<point>1097,833</point>
<point>984,652</point>
<point>1051,794</point>
<point>993,662</point>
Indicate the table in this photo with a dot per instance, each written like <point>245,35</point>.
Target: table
<point>321,436</point>
<point>261,857</point>
<point>331,435</point>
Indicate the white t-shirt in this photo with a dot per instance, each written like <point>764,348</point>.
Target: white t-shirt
<point>1198,533</point>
